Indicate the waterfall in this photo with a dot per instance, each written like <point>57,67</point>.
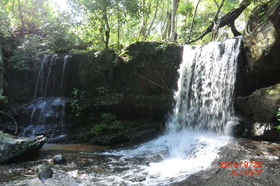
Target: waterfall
<point>63,73</point>
<point>197,127</point>
<point>45,115</point>
<point>204,99</point>
<point>51,77</point>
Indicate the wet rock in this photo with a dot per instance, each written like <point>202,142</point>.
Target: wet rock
<point>261,105</point>
<point>59,159</point>
<point>12,147</point>
<point>109,140</point>
<point>135,135</point>
<point>264,131</point>
<point>150,68</point>
<point>236,127</point>
<point>44,172</point>
<point>144,135</point>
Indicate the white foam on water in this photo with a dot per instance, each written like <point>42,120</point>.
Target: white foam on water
<point>182,154</point>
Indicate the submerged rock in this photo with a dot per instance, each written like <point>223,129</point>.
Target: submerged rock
<point>44,172</point>
<point>15,147</point>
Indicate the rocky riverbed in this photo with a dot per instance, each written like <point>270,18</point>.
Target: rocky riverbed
<point>95,165</point>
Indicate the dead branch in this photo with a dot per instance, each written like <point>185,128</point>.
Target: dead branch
<point>12,118</point>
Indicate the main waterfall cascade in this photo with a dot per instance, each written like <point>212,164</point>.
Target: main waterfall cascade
<point>204,99</point>
<point>197,127</point>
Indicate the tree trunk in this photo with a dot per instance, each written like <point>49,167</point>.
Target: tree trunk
<point>167,29</point>
<point>194,14</point>
<point>173,34</point>
<point>21,18</point>
<point>144,21</point>
<point>106,27</point>
<point>216,23</point>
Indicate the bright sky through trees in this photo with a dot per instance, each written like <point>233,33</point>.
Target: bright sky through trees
<point>62,4</point>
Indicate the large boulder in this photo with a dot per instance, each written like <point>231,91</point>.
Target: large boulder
<point>12,147</point>
<point>261,43</point>
<point>259,111</point>
<point>262,105</point>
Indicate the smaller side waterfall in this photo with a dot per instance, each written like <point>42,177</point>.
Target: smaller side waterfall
<point>51,77</point>
<point>44,116</point>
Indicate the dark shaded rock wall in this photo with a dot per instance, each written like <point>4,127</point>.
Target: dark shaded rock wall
<point>262,44</point>
<point>139,83</point>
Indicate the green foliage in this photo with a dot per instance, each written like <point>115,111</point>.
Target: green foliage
<point>278,114</point>
<point>26,54</point>
<point>40,27</point>
<point>35,27</point>
<point>3,100</point>
<point>76,102</point>
<point>5,23</point>
<point>108,124</point>
<point>278,118</point>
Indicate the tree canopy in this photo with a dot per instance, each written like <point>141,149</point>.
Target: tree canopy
<point>40,26</point>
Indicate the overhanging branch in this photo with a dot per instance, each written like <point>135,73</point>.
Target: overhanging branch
<point>227,19</point>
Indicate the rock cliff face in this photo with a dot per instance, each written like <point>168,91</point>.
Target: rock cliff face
<point>259,94</point>
<point>262,43</point>
<point>139,83</point>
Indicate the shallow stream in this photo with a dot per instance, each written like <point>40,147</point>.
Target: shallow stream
<point>151,165</point>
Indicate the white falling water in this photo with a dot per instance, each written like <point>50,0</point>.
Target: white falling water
<point>39,81</point>
<point>65,59</point>
<point>46,113</point>
<point>196,129</point>
<point>50,81</point>
<point>204,99</point>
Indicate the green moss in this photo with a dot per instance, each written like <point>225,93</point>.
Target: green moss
<point>274,91</point>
